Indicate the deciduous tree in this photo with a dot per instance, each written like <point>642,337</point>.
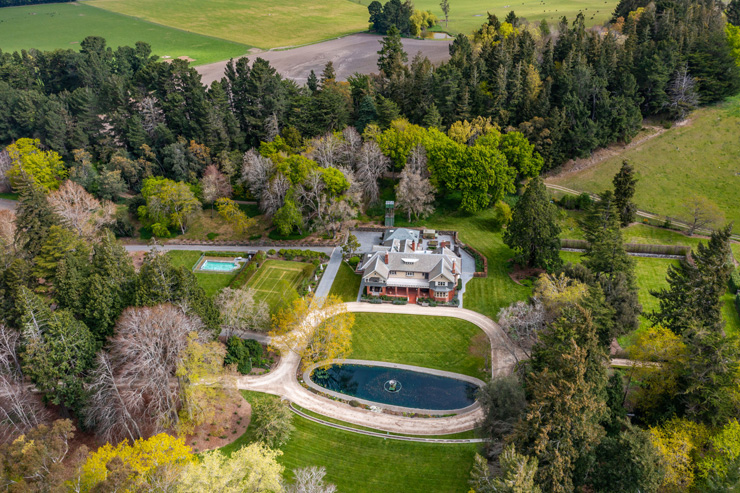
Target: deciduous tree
<point>273,422</point>
<point>168,203</point>
<point>240,311</point>
<point>310,480</point>
<point>79,211</point>
<point>215,185</point>
<point>31,164</point>
<point>701,213</point>
<point>237,218</point>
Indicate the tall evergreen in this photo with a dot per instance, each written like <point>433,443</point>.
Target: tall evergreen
<point>34,217</point>
<point>534,232</point>
<point>624,189</point>
<point>695,287</point>
<point>733,12</point>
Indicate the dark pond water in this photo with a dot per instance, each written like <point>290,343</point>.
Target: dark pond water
<point>413,389</point>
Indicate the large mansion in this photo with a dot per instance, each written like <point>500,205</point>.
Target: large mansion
<point>408,266</point>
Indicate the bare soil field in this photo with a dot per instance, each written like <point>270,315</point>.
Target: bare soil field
<point>350,54</point>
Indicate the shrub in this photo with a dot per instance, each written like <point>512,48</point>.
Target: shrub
<point>354,403</point>
<point>271,251</point>
<point>274,422</point>
<point>735,282</point>
<point>212,236</point>
<point>354,261</point>
<point>244,353</point>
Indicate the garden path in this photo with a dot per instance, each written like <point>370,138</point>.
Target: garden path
<point>9,205</point>
<point>283,380</point>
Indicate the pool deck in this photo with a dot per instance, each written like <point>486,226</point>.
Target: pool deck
<point>397,366</point>
<point>198,267</point>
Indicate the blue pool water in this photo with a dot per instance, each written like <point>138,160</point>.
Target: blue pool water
<point>414,389</point>
<point>218,266</point>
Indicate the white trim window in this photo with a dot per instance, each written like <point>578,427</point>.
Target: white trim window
<point>441,283</point>
<point>409,274</point>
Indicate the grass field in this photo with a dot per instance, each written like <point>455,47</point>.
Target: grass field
<point>468,15</point>
<point>273,24</point>
<point>699,158</point>
<point>359,463</point>
<point>347,284</point>
<point>211,283</point>
<point>432,342</point>
<point>273,278</point>
<point>64,25</point>
<point>650,274</point>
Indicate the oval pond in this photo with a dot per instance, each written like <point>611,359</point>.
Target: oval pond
<point>416,389</point>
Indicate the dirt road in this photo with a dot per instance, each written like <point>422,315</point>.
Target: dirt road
<point>355,53</point>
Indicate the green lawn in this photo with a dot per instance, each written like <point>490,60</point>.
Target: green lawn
<point>468,15</point>
<point>433,342</point>
<point>211,283</point>
<point>9,196</point>
<point>698,158</point>
<point>273,24</point>
<point>64,25</point>
<point>359,463</point>
<point>273,278</point>
<point>347,284</point>
<point>650,274</point>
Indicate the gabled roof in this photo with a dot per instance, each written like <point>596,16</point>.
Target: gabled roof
<point>401,234</point>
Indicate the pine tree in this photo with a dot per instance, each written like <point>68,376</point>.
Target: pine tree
<point>432,118</point>
<point>733,12</point>
<point>391,57</point>
<point>533,232</point>
<point>624,190</point>
<point>695,288</point>
<point>34,217</point>
<point>366,114</point>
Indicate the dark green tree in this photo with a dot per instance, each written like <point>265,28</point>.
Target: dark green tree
<point>391,57</point>
<point>733,12</point>
<point>34,217</point>
<point>627,462</point>
<point>503,401</point>
<point>534,232</point>
<point>366,114</point>
<point>624,189</point>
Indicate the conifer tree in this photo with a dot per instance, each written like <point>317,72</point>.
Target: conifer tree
<point>733,12</point>
<point>624,190</point>
<point>34,217</point>
<point>533,231</point>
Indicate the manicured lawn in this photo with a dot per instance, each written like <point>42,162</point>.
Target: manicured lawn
<point>468,15</point>
<point>9,196</point>
<point>698,158</point>
<point>64,25</point>
<point>273,278</point>
<point>432,342</point>
<point>347,284</point>
<point>272,24</point>
<point>359,463</point>
<point>211,283</point>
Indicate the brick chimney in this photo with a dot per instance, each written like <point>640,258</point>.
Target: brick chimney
<point>413,245</point>
<point>453,267</point>
<point>387,261</point>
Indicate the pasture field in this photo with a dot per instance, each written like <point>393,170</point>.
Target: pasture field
<point>360,463</point>
<point>468,15</point>
<point>441,343</point>
<point>65,25</point>
<point>699,158</point>
<point>273,278</point>
<point>264,24</point>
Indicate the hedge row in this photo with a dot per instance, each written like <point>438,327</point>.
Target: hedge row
<point>735,282</point>
<point>291,254</point>
<point>249,269</point>
<point>681,250</point>
<point>225,254</point>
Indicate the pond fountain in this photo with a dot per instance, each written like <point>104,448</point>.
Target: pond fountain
<point>380,384</point>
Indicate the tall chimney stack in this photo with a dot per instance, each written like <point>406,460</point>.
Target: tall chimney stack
<point>387,261</point>
<point>453,267</point>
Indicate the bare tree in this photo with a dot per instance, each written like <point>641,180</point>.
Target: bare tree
<point>417,161</point>
<point>683,96</point>
<point>7,234</point>
<point>371,164</point>
<point>151,114</point>
<point>134,390</point>
<point>5,165</point>
<point>310,480</point>
<point>272,197</point>
<point>350,147</point>
<point>80,211</point>
<point>272,127</point>
<point>256,172</point>
<point>214,185</point>
<point>326,150</point>
<point>523,322</point>
<point>701,213</point>
<point>240,311</point>
<point>311,194</point>
<point>340,211</point>
<point>415,194</point>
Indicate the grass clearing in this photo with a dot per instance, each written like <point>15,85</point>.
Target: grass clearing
<point>361,463</point>
<point>211,283</point>
<point>64,25</point>
<point>347,284</point>
<point>699,158</point>
<point>441,343</point>
<point>468,15</point>
<point>273,278</point>
<point>273,24</point>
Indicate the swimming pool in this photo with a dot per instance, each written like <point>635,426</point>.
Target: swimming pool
<point>219,266</point>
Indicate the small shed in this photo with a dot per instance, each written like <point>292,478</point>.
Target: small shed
<point>429,234</point>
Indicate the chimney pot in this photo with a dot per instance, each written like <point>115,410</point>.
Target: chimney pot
<point>453,267</point>
<point>387,261</point>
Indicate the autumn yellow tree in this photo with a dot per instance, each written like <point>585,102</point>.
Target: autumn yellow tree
<point>30,163</point>
<point>230,211</point>
<point>133,467</point>
<point>252,469</point>
<point>677,441</point>
<point>315,329</point>
<point>204,382</point>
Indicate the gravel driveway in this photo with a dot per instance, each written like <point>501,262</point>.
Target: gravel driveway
<point>350,54</point>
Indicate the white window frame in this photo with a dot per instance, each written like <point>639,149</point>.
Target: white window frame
<point>409,274</point>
